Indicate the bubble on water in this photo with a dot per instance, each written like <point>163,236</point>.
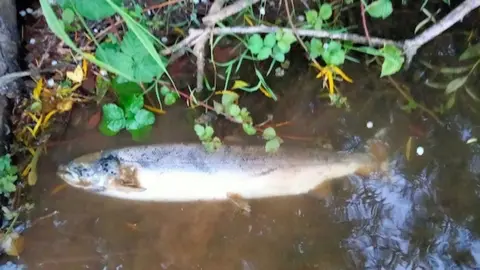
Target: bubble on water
<point>54,62</point>
<point>29,10</point>
<point>32,41</point>
<point>22,13</point>
<point>50,82</point>
<point>164,39</point>
<point>369,124</point>
<point>262,11</point>
<point>420,150</point>
<point>301,18</point>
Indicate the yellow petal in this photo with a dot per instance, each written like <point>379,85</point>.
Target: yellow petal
<point>37,126</point>
<point>316,65</point>
<point>38,89</point>
<point>330,82</point>
<point>342,74</point>
<point>76,75</point>
<point>155,110</point>
<point>321,73</point>
<point>408,148</point>
<point>239,84</point>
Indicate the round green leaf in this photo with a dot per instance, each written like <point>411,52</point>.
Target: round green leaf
<point>68,16</point>
<point>270,40</point>
<point>325,11</point>
<point>264,53</point>
<point>199,130</point>
<point>132,104</point>
<point>269,133</point>
<point>249,129</point>
<point>164,90</point>
<point>255,43</point>
<point>380,9</point>
<point>145,118</point>
<point>288,37</point>
<point>311,16</point>
<point>283,46</point>
<point>113,117</point>
<point>334,54</point>
<point>280,57</point>
<point>272,145</point>
<point>170,99</point>
<point>234,110</point>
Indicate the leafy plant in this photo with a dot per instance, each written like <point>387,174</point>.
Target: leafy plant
<point>380,9</point>
<point>316,19</point>
<point>8,175</point>
<point>273,141</point>
<point>132,58</point>
<point>205,134</point>
<point>230,108</point>
<point>169,96</point>
<point>131,116</point>
<point>274,45</point>
<point>92,10</point>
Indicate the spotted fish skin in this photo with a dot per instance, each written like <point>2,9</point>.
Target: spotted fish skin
<point>186,172</point>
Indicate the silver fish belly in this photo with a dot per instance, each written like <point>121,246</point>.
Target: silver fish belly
<point>186,172</point>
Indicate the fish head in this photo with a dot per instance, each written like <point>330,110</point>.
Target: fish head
<point>90,172</point>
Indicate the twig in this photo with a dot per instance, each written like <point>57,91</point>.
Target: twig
<point>5,79</point>
<point>411,46</point>
<point>364,21</point>
<point>213,18</point>
<point>410,99</point>
<point>201,41</point>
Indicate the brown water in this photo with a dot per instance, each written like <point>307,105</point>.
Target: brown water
<point>425,216</point>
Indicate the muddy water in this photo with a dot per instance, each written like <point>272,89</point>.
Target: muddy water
<point>424,216</point>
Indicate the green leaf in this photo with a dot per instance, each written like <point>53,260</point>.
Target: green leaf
<point>380,9</point>
<point>455,84</point>
<point>234,110</point>
<point>199,130</point>
<point>127,88</point>
<point>170,99</point>
<point>249,129</point>
<point>217,107</point>
<point>113,119</point>
<point>269,40</point>
<point>318,25</point>
<point>208,132</point>
<point>269,133</point>
<point>255,43</point>
<point>145,39</point>
<point>264,53</point>
<point>57,27</point>
<point>68,16</point>
<point>113,57</point>
<point>95,10</point>
<point>141,134</point>
<point>311,16</point>
<point>288,37</point>
<point>131,104</point>
<point>279,56</point>
<point>472,52</point>
<point>393,60</point>
<point>326,11</point>
<point>283,46</point>
<point>272,145</point>
<point>316,48</point>
<point>142,119</point>
<point>334,54</point>
<point>228,98</point>
<point>164,90</point>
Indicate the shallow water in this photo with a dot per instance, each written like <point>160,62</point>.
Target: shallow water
<point>423,216</point>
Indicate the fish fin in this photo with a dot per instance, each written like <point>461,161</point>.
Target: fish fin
<point>378,150</point>
<point>240,202</point>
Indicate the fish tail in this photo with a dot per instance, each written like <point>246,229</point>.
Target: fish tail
<point>378,150</point>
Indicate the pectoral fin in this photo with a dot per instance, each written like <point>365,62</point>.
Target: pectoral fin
<point>130,189</point>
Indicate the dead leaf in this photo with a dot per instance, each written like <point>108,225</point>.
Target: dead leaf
<point>13,244</point>
<point>65,105</point>
<point>408,148</point>
<point>76,75</point>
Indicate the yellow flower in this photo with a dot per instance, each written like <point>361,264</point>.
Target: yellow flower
<point>328,72</point>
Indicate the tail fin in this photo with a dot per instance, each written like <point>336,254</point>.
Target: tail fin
<point>378,149</point>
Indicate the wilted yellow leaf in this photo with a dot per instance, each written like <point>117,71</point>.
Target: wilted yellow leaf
<point>153,109</point>
<point>13,244</point>
<point>38,89</point>
<point>76,75</point>
<point>179,31</point>
<point>248,20</point>
<point>32,175</point>
<point>239,84</point>
<point>408,148</point>
<point>65,105</point>
<point>49,115</point>
<point>84,66</point>
<point>264,91</point>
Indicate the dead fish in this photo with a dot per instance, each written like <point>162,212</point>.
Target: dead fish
<point>186,172</point>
